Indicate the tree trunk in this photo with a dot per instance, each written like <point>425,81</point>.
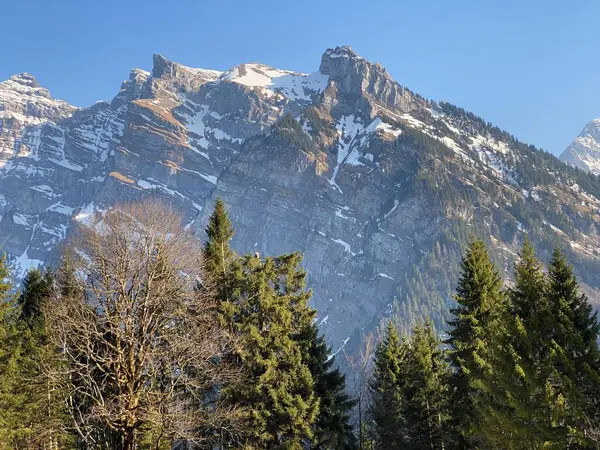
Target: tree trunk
<point>129,439</point>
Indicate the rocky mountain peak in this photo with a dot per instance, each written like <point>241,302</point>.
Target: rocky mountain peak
<point>162,66</point>
<point>175,77</point>
<point>26,84</point>
<point>584,152</point>
<point>132,88</point>
<point>368,81</point>
<point>25,79</point>
<point>592,130</point>
<point>23,99</point>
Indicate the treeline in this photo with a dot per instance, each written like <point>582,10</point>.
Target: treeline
<point>145,338</point>
<point>519,369</point>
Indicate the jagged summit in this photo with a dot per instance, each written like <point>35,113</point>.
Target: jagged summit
<point>163,67</point>
<point>584,152</point>
<point>25,79</point>
<point>24,100</point>
<point>25,84</point>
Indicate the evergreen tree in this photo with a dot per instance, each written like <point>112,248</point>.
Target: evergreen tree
<point>11,412</point>
<point>543,386</point>
<point>37,287</point>
<point>332,429</point>
<point>269,309</point>
<point>574,349</point>
<point>425,408</point>
<point>472,334</point>
<point>386,392</point>
<point>217,251</point>
<point>45,418</point>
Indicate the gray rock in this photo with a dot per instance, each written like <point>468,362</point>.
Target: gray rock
<point>347,185</point>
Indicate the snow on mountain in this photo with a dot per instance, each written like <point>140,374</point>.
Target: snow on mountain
<point>374,183</point>
<point>293,85</point>
<point>584,152</point>
<point>25,101</point>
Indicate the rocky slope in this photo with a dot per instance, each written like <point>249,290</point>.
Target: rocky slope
<point>378,186</point>
<point>584,152</point>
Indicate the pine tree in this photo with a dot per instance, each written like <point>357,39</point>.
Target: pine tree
<point>425,408</point>
<point>269,310</point>
<point>11,415</point>
<point>332,429</point>
<point>217,251</point>
<point>44,419</point>
<point>37,288</point>
<point>539,352</point>
<point>574,353</point>
<point>481,304</point>
<point>386,392</point>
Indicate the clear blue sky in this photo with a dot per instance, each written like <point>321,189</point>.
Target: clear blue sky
<point>529,66</point>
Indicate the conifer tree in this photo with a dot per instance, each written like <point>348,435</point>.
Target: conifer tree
<point>36,289</point>
<point>269,310</point>
<point>332,429</point>
<point>543,390</point>
<point>217,251</point>
<point>10,403</point>
<point>481,305</point>
<point>47,418</point>
<point>425,408</point>
<point>386,392</point>
<point>574,353</point>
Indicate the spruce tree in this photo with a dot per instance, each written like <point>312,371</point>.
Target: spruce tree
<point>11,411</point>
<point>217,250</point>
<point>45,418</point>
<point>332,429</point>
<point>472,334</point>
<point>269,310</point>
<point>574,354</point>
<point>386,392</point>
<point>425,408</point>
<point>36,289</point>
<point>540,354</point>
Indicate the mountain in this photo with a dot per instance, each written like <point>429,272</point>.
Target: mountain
<point>378,186</point>
<point>584,152</point>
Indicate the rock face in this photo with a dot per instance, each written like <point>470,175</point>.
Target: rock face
<point>379,187</point>
<point>584,152</point>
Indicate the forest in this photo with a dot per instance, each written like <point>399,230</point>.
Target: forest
<point>144,337</point>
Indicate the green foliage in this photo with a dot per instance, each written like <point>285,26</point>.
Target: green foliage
<point>386,392</point>
<point>269,310</point>
<point>332,428</point>
<point>481,305</point>
<point>32,413</point>
<point>318,124</point>
<point>37,287</point>
<point>425,384</point>
<point>218,255</point>
<point>574,354</point>
<point>291,131</point>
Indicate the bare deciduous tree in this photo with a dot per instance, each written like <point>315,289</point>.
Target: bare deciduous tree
<point>135,321</point>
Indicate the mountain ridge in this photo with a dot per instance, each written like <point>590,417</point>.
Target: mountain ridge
<point>379,186</point>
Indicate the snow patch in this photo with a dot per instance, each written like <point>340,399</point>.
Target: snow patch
<point>22,264</point>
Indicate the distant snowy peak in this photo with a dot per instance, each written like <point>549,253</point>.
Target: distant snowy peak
<point>584,152</point>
